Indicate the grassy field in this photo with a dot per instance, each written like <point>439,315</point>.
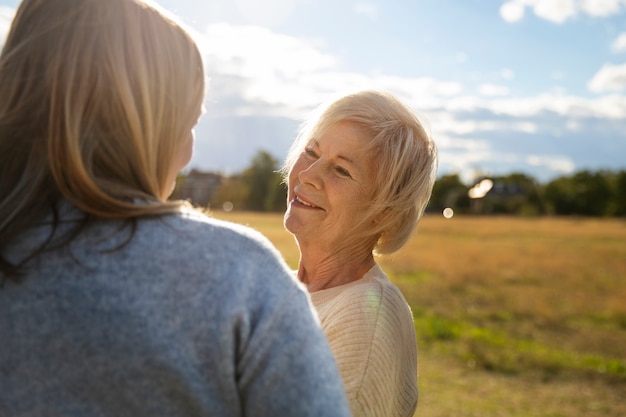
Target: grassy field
<point>514,317</point>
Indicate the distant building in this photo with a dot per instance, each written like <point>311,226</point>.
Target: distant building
<point>199,187</point>
<point>498,196</point>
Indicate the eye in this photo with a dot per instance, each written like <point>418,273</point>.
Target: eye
<point>342,172</point>
<point>310,153</point>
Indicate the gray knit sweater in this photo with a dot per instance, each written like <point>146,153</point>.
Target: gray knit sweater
<point>192,317</point>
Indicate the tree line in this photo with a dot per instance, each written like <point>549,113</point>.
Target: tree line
<point>258,187</point>
<point>600,193</point>
<point>584,193</point>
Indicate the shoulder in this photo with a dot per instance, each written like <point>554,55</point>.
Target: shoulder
<point>193,224</point>
<point>186,249</point>
<point>226,270</point>
<point>372,307</point>
<point>193,232</point>
<point>201,245</point>
<point>364,299</point>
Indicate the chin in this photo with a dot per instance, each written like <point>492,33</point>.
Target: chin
<point>290,222</point>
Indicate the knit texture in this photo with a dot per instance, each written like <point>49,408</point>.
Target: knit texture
<point>192,317</point>
<point>370,329</point>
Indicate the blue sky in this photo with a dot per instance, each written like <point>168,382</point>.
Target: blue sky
<point>532,86</point>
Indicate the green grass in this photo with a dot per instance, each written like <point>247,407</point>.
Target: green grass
<point>514,317</point>
<point>498,351</point>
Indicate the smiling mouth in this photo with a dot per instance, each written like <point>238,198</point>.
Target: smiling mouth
<point>304,203</point>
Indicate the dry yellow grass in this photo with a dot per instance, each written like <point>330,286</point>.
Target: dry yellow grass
<point>515,317</point>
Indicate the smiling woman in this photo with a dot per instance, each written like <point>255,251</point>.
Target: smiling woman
<point>359,177</point>
<point>329,187</point>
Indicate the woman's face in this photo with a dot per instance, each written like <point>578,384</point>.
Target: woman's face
<point>328,186</point>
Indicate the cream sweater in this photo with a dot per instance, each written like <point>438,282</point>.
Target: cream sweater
<point>370,329</point>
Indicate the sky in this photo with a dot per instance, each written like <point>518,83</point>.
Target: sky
<point>529,86</point>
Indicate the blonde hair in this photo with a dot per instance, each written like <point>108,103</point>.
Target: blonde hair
<point>97,98</point>
<point>405,164</point>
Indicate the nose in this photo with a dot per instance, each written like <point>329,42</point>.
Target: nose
<point>311,175</point>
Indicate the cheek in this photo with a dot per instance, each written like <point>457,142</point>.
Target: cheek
<point>354,200</point>
<point>295,172</point>
<point>186,152</point>
<point>291,182</point>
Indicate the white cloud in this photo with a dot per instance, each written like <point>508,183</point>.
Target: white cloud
<point>557,163</point>
<point>493,90</point>
<point>558,11</point>
<point>451,125</point>
<point>611,107</point>
<point>258,65</point>
<point>463,156</point>
<point>619,44</point>
<point>255,51</point>
<point>288,76</point>
<point>512,11</point>
<point>367,9</point>
<point>445,141</point>
<point>601,8</point>
<point>608,78</point>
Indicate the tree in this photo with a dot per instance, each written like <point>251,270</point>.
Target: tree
<point>276,199</point>
<point>257,188</point>
<point>516,193</point>
<point>617,203</point>
<point>559,196</point>
<point>449,191</point>
<point>593,193</point>
<point>263,183</point>
<point>585,193</point>
<point>232,190</point>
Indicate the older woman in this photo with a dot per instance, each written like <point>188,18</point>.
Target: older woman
<point>115,301</point>
<point>359,177</point>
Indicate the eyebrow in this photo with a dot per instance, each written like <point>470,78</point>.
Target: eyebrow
<point>315,144</point>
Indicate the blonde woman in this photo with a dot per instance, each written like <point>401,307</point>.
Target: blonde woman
<point>359,177</point>
<point>114,301</point>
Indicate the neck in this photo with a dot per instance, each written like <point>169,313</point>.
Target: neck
<point>320,269</point>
